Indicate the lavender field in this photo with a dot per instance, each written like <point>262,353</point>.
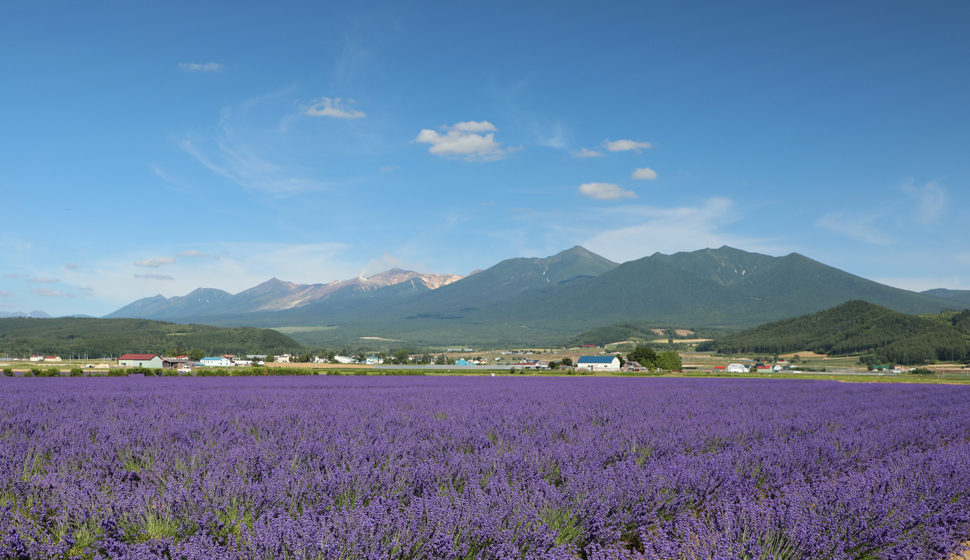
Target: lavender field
<point>367,468</point>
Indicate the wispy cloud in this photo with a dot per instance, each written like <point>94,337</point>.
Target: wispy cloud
<point>645,173</point>
<point>12,275</point>
<point>249,151</point>
<point>326,107</point>
<point>4,293</point>
<point>151,276</point>
<point>667,230</point>
<point>73,266</point>
<point>463,140</point>
<point>203,67</point>
<point>586,152</point>
<point>854,226</point>
<point>931,201</point>
<point>554,138</point>
<point>626,145</point>
<point>605,191</point>
<point>156,262</point>
<point>44,280</point>
<point>195,254</point>
<point>390,168</point>
<point>46,292</point>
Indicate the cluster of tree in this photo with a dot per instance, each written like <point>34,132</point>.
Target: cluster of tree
<point>649,359</point>
<point>880,335</point>
<point>95,338</point>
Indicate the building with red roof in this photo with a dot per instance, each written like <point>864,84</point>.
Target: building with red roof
<point>153,361</point>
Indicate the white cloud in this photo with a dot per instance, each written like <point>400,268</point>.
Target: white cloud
<point>73,266</point>
<point>854,226</point>
<point>666,230</point>
<point>605,191</point>
<point>626,145</point>
<point>645,173</point>
<point>151,276</point>
<point>931,201</point>
<point>390,168</point>
<point>462,141</point>
<point>472,126</point>
<point>326,107</point>
<point>586,152</point>
<point>193,253</point>
<point>44,280</point>
<point>204,67</point>
<point>6,294</point>
<point>45,292</point>
<point>156,262</point>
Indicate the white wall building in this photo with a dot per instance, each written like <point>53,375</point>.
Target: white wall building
<point>598,363</point>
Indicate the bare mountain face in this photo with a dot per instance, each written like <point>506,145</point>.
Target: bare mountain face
<point>302,294</point>
<point>277,295</point>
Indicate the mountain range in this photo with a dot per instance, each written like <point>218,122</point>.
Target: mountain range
<point>544,300</point>
<point>35,314</point>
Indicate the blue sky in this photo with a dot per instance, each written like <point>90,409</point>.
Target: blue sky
<point>151,148</point>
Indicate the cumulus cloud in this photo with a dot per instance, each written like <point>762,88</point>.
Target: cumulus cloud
<point>605,191</point>
<point>156,262</point>
<point>326,107</point>
<point>586,152</point>
<point>204,67</point>
<point>73,266</point>
<point>151,276</point>
<point>44,280</point>
<point>931,201</point>
<point>464,141</point>
<point>6,294</point>
<point>853,226</point>
<point>626,145</point>
<point>46,292</point>
<point>645,173</point>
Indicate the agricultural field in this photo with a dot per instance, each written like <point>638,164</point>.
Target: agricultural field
<point>479,467</point>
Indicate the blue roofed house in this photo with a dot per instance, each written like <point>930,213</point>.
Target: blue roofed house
<point>598,363</point>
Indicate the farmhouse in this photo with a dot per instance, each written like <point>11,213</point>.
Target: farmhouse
<point>140,360</point>
<point>599,363</point>
<point>736,368</point>
<point>52,358</point>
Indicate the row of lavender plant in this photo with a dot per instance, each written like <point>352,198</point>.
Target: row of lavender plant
<point>366,467</point>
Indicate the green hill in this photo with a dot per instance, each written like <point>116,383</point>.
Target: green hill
<point>879,334</point>
<point>112,337</point>
<point>160,307</point>
<point>958,296</point>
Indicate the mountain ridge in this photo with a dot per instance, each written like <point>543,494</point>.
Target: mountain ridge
<point>553,298</point>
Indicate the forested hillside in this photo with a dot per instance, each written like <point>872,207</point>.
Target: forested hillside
<point>878,334</point>
<point>112,337</point>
